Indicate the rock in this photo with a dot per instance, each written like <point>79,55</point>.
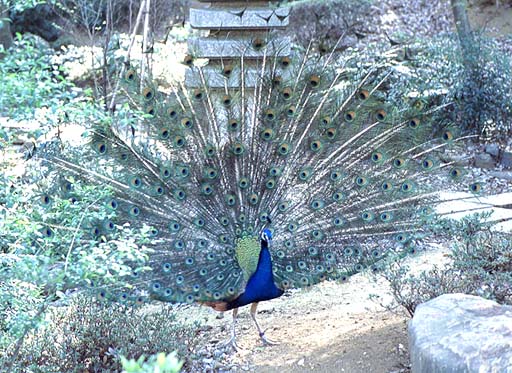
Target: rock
<point>501,175</point>
<point>506,159</point>
<point>484,160</point>
<point>461,333</point>
<point>458,159</point>
<point>492,149</point>
<point>252,18</point>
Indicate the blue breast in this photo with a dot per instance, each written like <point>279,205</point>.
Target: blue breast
<point>261,284</point>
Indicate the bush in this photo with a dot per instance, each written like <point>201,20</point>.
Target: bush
<point>325,22</point>
<point>480,264</point>
<point>478,99</point>
<point>48,245</point>
<point>39,270</point>
<point>30,80</point>
<point>157,363</point>
<point>483,92</point>
<point>53,238</point>
<point>485,264</point>
<point>93,15</point>
<point>88,335</point>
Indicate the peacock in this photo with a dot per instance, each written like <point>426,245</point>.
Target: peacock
<point>316,172</point>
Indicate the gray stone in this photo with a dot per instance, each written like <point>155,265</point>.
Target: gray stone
<point>484,160</point>
<point>459,333</point>
<point>214,79</point>
<point>455,158</point>
<point>506,159</point>
<point>492,149</point>
<point>245,18</point>
<point>229,48</point>
<point>505,175</point>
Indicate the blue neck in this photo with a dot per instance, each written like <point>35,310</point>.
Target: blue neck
<point>261,284</point>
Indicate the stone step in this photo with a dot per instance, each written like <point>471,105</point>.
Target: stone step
<point>217,48</point>
<point>246,18</point>
<point>216,80</point>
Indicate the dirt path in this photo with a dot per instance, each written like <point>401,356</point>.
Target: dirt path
<point>329,328</point>
<point>332,327</point>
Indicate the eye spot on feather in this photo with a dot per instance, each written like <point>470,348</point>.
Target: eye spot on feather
<point>258,44</point>
<point>130,75</point>
<point>148,93</point>
<point>285,62</point>
<point>314,80</point>
<point>188,60</point>
<point>363,94</point>
<point>227,70</point>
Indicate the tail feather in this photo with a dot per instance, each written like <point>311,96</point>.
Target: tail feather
<point>343,170</point>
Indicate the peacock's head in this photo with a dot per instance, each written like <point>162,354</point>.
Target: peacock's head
<point>266,235</point>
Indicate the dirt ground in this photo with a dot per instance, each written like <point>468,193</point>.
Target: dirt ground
<point>331,327</point>
<point>495,21</point>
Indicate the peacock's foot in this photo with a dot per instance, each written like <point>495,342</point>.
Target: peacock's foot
<point>231,344</point>
<point>266,341</point>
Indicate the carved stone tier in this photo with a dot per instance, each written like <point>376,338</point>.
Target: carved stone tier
<point>241,33</point>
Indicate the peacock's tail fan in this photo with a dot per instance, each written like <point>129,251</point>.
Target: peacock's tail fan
<point>346,175</point>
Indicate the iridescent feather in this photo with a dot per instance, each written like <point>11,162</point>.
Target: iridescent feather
<point>344,173</point>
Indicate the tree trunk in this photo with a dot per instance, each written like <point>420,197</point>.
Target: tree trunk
<point>5,28</point>
<point>466,38</point>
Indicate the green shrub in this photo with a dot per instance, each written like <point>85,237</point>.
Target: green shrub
<point>156,363</point>
<point>88,335</point>
<point>483,92</point>
<point>54,241</point>
<point>48,246</point>
<point>480,263</point>
<point>485,264</point>
<point>39,271</point>
<point>30,80</point>
<point>478,98</point>
<point>21,5</point>
<point>325,22</point>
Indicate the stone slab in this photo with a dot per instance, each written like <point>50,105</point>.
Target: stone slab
<point>485,160</point>
<point>215,79</point>
<point>461,204</point>
<point>235,48</point>
<point>506,159</point>
<point>239,18</point>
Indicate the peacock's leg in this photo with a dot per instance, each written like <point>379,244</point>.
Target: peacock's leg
<point>265,340</point>
<point>232,341</point>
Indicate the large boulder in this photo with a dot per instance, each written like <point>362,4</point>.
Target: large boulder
<point>457,333</point>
